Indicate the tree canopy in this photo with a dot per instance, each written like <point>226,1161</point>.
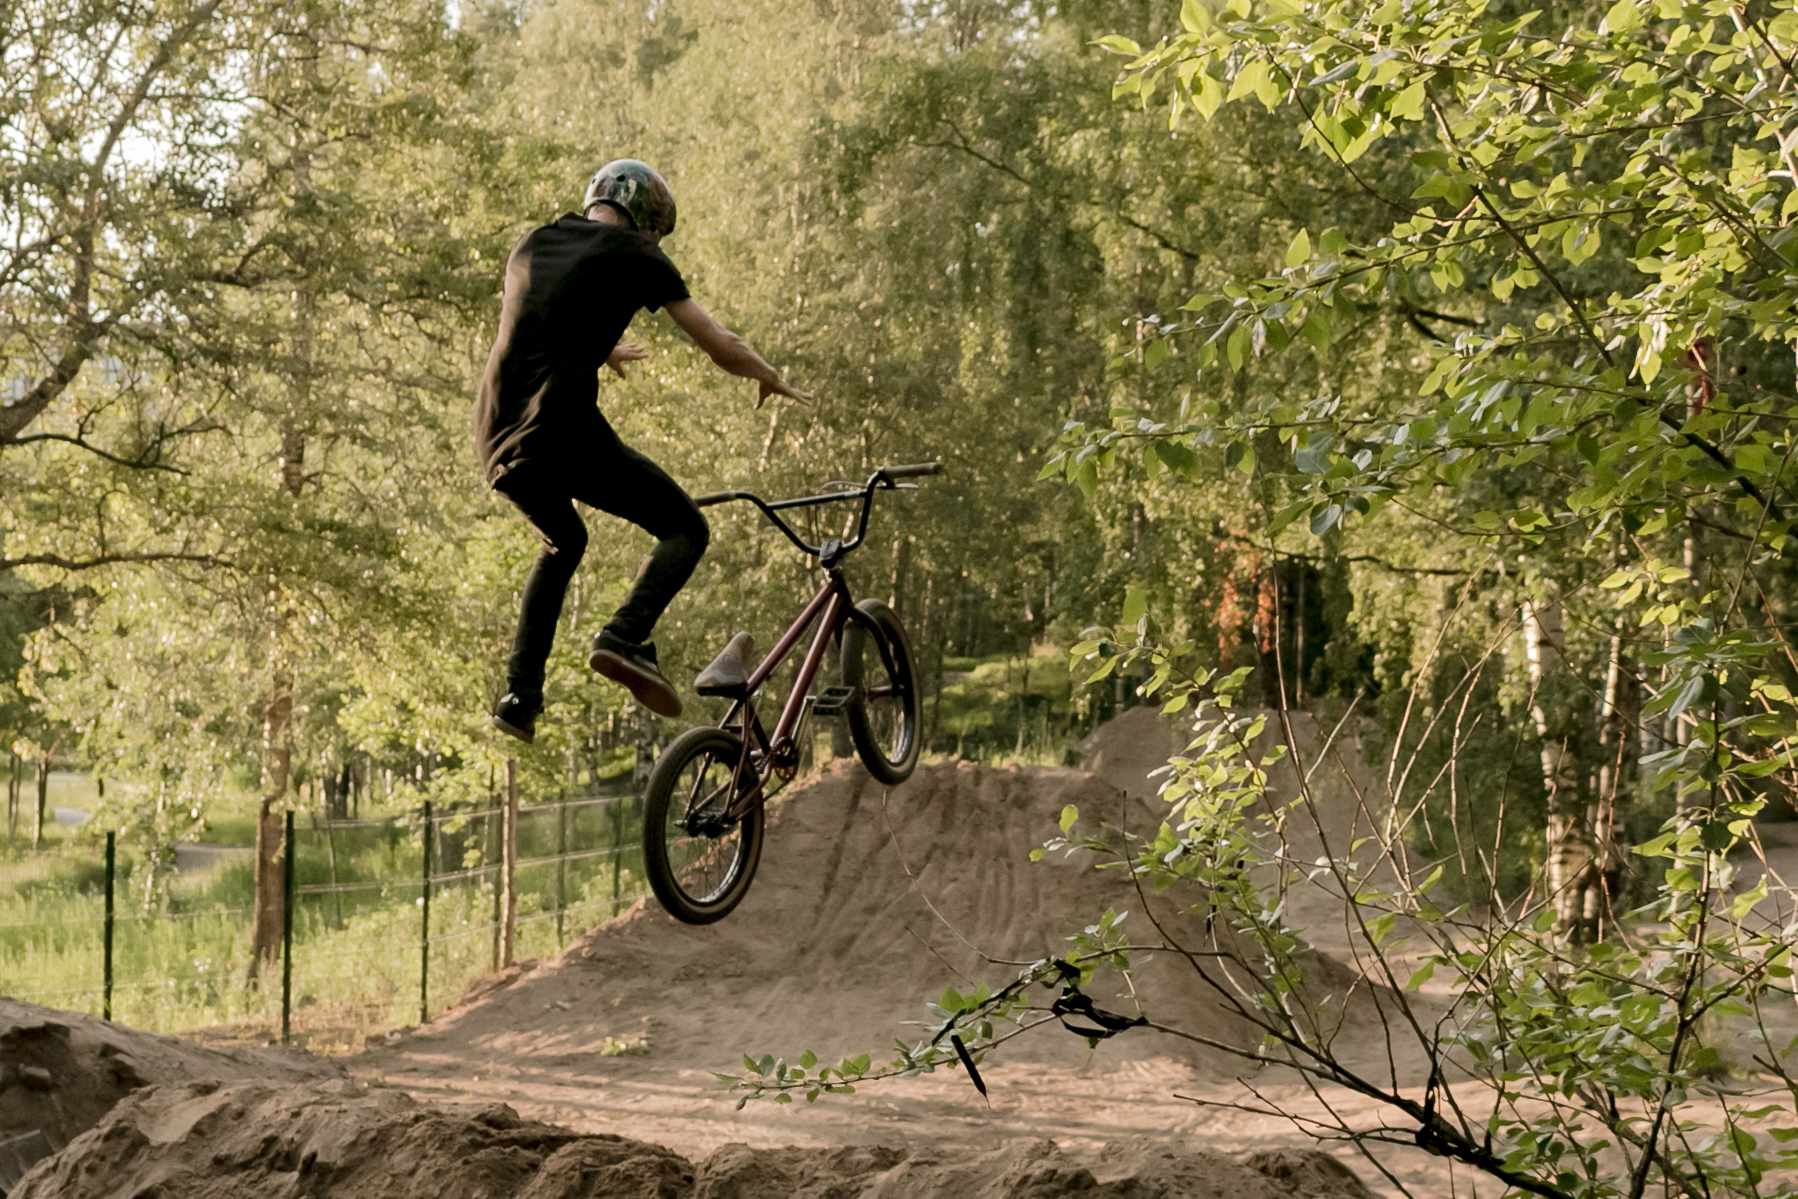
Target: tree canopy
<point>1430,359</point>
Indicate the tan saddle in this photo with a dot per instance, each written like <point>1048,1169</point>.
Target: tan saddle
<point>728,675</point>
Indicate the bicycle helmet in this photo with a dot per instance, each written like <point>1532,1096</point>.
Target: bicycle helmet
<point>634,189</point>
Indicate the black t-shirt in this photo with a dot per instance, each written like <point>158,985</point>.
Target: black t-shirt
<point>572,287</point>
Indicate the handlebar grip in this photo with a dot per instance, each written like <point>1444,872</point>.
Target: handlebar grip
<point>716,497</point>
<point>912,471</point>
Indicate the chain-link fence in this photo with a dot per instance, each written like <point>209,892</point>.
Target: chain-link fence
<point>388,920</point>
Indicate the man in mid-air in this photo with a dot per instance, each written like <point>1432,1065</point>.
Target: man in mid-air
<point>572,287</point>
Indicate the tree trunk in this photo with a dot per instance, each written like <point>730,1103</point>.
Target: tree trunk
<point>646,749</point>
<point>1679,728</point>
<point>1616,787</point>
<point>1571,865</point>
<point>43,799</point>
<point>901,568</point>
<point>277,772</point>
<point>334,782</point>
<point>277,749</point>
<point>277,724</point>
<point>153,855</point>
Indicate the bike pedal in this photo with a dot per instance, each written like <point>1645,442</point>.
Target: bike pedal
<point>832,701</point>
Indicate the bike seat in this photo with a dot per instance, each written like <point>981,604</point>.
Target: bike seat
<point>728,675</point>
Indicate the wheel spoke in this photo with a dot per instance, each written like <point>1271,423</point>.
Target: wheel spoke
<point>719,792</point>
<point>704,864</point>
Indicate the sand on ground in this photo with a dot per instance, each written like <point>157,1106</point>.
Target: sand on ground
<point>870,900</point>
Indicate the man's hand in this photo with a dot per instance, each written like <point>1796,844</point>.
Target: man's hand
<point>623,352</point>
<point>728,351</point>
<point>780,387</point>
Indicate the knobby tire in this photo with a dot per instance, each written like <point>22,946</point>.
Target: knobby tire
<point>698,878</point>
<point>884,717</point>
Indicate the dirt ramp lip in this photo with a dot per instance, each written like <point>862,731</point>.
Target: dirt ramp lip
<point>262,1140</point>
<point>60,1072</point>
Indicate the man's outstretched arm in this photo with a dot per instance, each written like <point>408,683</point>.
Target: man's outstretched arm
<point>730,352</point>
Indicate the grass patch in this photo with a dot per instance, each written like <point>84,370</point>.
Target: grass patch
<point>1011,708</point>
<point>182,959</point>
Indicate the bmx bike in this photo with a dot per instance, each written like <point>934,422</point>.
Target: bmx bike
<point>703,807</point>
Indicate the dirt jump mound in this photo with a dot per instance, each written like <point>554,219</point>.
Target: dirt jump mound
<point>257,1140</point>
<point>247,1140</point>
<point>60,1072</point>
<point>868,898</point>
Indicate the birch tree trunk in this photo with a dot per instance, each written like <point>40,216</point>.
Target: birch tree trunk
<point>1571,863</point>
<point>1616,786</point>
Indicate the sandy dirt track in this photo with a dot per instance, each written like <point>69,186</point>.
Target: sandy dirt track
<point>869,899</point>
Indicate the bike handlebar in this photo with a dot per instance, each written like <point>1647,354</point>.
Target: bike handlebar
<point>912,471</point>
<point>719,497</point>
<point>880,480</point>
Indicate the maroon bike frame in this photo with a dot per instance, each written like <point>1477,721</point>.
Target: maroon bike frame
<point>833,600</point>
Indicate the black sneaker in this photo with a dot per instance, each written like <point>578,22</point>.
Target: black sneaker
<point>634,666</point>
<point>516,717</point>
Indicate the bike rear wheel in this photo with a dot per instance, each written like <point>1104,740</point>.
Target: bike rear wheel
<point>883,716</point>
<point>699,863</point>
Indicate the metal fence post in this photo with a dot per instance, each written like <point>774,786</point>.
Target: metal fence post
<point>111,873</point>
<point>561,867</point>
<point>508,870</point>
<point>491,856</point>
<point>424,929</point>
<point>287,856</point>
<point>617,853</point>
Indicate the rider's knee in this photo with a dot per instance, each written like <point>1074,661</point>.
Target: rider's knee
<point>696,532</point>
<point>569,541</point>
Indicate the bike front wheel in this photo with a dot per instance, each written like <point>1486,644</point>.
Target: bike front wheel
<point>883,716</point>
<point>700,862</point>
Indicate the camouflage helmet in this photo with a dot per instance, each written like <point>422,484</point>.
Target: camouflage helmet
<point>634,189</point>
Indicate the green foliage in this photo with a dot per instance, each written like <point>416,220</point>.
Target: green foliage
<point>1597,204</point>
<point>1585,261</point>
<point>928,233</point>
<point>1578,1054</point>
<point>1583,394</point>
<point>1530,145</point>
<point>1006,708</point>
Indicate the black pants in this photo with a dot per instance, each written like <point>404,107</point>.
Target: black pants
<point>613,478</point>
